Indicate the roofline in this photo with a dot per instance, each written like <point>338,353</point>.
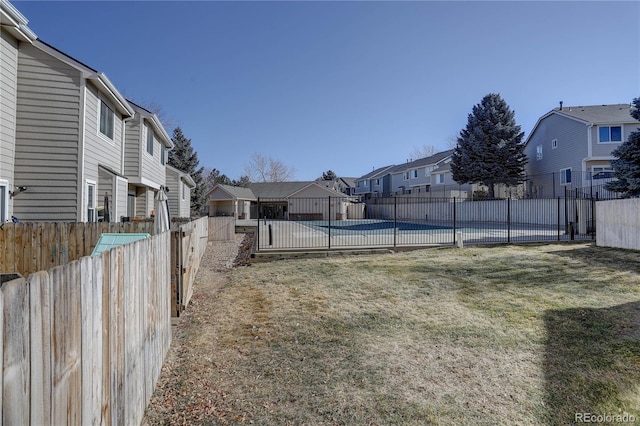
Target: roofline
<point>157,125</point>
<point>98,78</point>
<point>224,188</point>
<point>181,174</point>
<point>316,184</point>
<point>17,24</point>
<point>553,111</point>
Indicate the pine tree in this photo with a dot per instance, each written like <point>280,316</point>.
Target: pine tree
<point>626,166</point>
<point>489,150</point>
<point>184,158</point>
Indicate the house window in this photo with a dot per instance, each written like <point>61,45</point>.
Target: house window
<point>565,176</point>
<point>554,143</point>
<point>377,182</point>
<point>4,201</point>
<point>106,120</point>
<point>366,183</point>
<point>149,140</point>
<point>602,172</point>
<point>539,152</point>
<point>184,191</point>
<point>610,134</point>
<point>414,173</point>
<point>162,154</point>
<point>440,178</point>
<point>427,171</point>
<point>91,202</point>
<point>405,176</point>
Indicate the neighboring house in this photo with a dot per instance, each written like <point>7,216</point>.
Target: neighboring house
<point>146,145</point>
<point>280,200</point>
<point>13,34</point>
<point>70,140</point>
<point>344,185</point>
<point>416,177</point>
<point>570,147</point>
<point>227,200</point>
<point>376,182</point>
<point>180,185</point>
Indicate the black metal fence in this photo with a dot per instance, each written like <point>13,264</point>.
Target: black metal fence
<point>337,222</point>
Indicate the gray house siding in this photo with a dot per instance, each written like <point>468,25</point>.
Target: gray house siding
<point>47,137</point>
<point>603,149</point>
<point>8,82</point>
<point>133,146</point>
<point>173,183</point>
<point>152,170</point>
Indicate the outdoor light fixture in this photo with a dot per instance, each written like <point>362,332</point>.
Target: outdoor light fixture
<point>19,189</point>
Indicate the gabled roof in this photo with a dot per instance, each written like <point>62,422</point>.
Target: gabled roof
<point>237,192</point>
<point>153,119</point>
<point>590,115</point>
<point>182,175</point>
<point>376,172</point>
<point>422,162</point>
<point>98,78</point>
<point>15,23</point>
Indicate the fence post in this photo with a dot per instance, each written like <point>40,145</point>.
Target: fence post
<point>508,220</point>
<point>454,220</point>
<point>395,220</point>
<point>558,218</point>
<point>329,228</point>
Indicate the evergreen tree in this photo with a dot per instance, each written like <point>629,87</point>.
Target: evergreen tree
<point>329,175</point>
<point>626,166</point>
<point>244,181</point>
<point>489,150</point>
<point>184,158</point>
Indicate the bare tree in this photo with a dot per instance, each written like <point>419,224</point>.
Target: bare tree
<point>423,151</point>
<point>268,169</point>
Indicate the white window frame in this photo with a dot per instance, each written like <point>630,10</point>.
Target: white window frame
<point>91,208</point>
<point>4,200</point>
<point>563,176</point>
<point>414,174</point>
<point>366,183</point>
<point>539,155</point>
<point>113,121</point>
<point>554,143</point>
<point>611,141</point>
<point>163,151</point>
<point>149,141</point>
<point>405,176</point>
<point>427,171</point>
<point>439,177</point>
<point>377,182</point>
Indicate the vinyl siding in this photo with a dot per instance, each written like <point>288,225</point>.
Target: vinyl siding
<point>604,149</point>
<point>177,206</point>
<point>47,137</point>
<point>132,149</point>
<point>8,82</point>
<point>144,202</point>
<point>121,199</point>
<point>185,200</point>
<point>152,170</point>
<point>98,149</point>
<point>572,145</point>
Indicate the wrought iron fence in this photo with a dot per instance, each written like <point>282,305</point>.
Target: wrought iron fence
<point>342,222</point>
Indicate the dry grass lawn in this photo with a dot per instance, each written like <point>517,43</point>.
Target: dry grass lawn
<point>482,335</point>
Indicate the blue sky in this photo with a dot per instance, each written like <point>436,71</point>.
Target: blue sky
<point>346,86</point>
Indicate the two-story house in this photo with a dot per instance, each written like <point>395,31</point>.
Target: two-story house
<point>417,177</point>
<point>146,145</point>
<point>375,183</point>
<point>70,122</point>
<point>13,33</point>
<point>570,147</point>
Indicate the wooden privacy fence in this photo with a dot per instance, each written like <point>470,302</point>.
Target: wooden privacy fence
<point>29,247</point>
<point>188,244</point>
<point>83,343</point>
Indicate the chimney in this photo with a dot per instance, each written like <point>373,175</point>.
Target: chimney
<point>560,105</point>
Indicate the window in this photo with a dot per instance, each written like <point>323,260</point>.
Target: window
<point>440,178</point>
<point>4,201</point>
<point>405,176</point>
<point>149,140</point>
<point>106,120</point>
<point>565,176</point>
<point>414,173</point>
<point>162,154</point>
<point>377,182</point>
<point>366,183</point>
<point>427,171</point>
<point>184,191</point>
<point>602,172</point>
<point>554,143</point>
<point>610,134</point>
<point>91,202</point>
<point>539,152</point>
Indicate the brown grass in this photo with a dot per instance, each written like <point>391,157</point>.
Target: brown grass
<point>483,335</point>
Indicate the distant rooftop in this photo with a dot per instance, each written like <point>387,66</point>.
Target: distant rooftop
<point>617,113</point>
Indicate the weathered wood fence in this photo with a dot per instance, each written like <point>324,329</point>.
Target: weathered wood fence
<point>83,343</point>
<point>188,244</point>
<point>29,247</point>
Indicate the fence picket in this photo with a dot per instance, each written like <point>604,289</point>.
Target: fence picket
<point>40,338</point>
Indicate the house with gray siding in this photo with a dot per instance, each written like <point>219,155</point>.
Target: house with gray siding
<point>70,138</point>
<point>570,148</point>
<point>13,33</point>
<point>146,146</point>
<point>416,177</point>
<point>375,183</point>
<point>180,185</point>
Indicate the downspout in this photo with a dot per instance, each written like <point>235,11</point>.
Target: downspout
<point>81,142</point>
